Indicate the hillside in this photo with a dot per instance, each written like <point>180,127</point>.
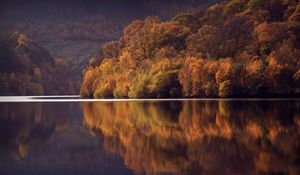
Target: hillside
<point>231,49</point>
<point>76,54</point>
<point>26,68</point>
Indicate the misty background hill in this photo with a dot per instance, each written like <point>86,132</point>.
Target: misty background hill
<point>86,20</point>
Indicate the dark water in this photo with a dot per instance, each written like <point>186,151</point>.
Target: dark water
<point>166,137</point>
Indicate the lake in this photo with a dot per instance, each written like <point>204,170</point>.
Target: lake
<point>206,136</point>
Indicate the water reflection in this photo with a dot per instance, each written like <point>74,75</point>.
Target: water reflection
<point>25,125</point>
<point>176,137</point>
<point>200,137</point>
<point>49,138</point>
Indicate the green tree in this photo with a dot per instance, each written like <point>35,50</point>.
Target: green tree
<point>225,89</point>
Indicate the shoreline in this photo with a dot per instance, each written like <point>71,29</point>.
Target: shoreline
<point>78,98</point>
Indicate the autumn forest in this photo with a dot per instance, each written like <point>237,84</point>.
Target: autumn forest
<point>150,87</point>
<point>236,48</point>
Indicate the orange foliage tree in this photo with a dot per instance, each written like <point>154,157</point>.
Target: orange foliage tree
<point>237,48</point>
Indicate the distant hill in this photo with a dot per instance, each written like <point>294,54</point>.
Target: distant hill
<point>86,20</point>
<point>76,54</point>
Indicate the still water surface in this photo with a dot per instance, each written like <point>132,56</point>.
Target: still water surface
<point>150,137</point>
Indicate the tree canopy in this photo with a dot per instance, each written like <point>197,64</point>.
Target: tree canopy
<point>234,48</point>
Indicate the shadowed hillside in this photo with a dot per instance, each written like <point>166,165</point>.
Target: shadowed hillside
<point>26,68</point>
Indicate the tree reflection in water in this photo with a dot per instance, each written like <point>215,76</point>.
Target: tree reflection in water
<point>200,137</point>
<point>49,138</point>
<point>26,125</point>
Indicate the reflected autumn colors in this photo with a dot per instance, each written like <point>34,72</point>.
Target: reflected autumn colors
<point>200,137</point>
<point>151,137</point>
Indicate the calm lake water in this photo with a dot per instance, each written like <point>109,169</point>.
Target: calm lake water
<point>150,137</point>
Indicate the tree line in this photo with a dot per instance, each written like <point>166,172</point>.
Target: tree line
<point>234,48</point>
